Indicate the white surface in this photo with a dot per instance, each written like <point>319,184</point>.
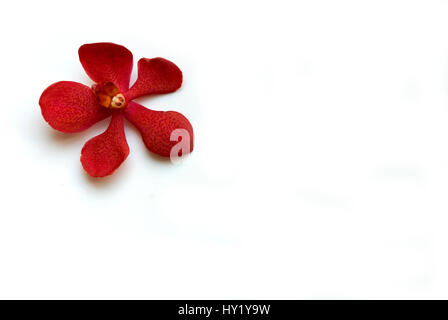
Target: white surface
<point>320,167</point>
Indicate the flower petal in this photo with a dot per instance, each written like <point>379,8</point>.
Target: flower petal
<point>103,154</point>
<point>157,127</point>
<point>107,62</point>
<point>70,106</point>
<point>155,75</point>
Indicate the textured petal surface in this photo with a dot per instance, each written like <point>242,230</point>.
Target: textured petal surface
<point>103,154</point>
<point>105,62</point>
<point>70,107</point>
<point>156,127</point>
<point>155,75</point>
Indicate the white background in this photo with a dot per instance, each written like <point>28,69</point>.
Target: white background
<point>320,167</point>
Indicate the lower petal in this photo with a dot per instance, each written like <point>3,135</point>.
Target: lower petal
<point>103,154</point>
<point>157,128</point>
<point>70,107</point>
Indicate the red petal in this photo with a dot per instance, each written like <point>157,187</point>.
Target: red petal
<point>70,106</point>
<point>105,62</point>
<point>156,75</point>
<point>103,154</point>
<point>156,127</point>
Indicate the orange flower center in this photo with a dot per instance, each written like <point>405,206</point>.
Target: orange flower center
<point>108,95</point>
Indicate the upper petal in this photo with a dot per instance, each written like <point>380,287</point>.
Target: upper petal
<point>70,106</point>
<point>103,154</point>
<point>157,127</point>
<point>105,62</point>
<point>155,75</point>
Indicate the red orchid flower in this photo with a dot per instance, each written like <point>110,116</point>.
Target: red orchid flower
<point>72,107</point>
